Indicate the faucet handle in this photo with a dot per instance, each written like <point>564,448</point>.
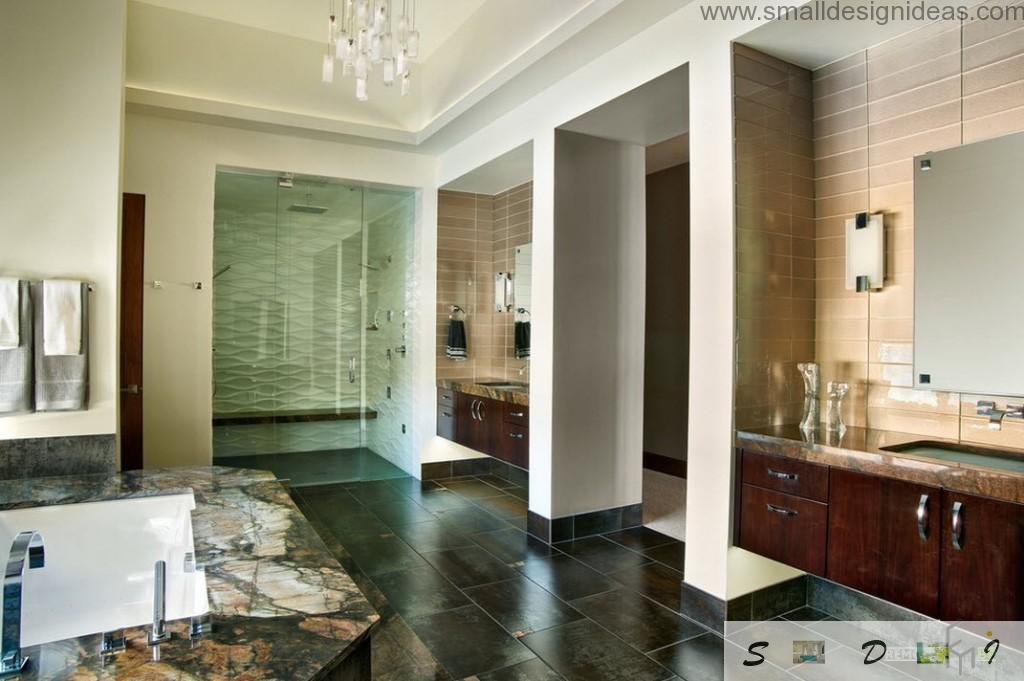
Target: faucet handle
<point>112,645</point>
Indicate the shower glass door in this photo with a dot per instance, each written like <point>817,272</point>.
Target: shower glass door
<point>310,316</point>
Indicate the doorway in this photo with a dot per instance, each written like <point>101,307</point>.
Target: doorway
<point>133,239</point>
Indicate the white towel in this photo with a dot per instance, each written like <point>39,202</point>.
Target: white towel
<point>10,314</point>
<point>62,317</point>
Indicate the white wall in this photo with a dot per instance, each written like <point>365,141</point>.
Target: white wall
<point>681,38</point>
<point>599,290</point>
<point>174,164</point>
<point>61,71</point>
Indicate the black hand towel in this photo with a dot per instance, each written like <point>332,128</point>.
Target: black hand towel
<point>456,346</point>
<point>522,333</point>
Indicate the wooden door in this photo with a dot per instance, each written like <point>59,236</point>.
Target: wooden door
<point>133,237</point>
<point>982,559</point>
<point>884,537</point>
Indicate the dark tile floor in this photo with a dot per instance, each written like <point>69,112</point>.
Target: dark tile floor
<point>316,468</point>
<point>465,593</point>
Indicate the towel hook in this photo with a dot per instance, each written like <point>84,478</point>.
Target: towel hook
<point>455,309</point>
<point>523,310</point>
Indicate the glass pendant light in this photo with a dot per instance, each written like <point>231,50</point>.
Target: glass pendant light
<point>402,62</point>
<point>389,71</point>
<point>361,94</point>
<point>406,84</point>
<point>327,74</point>
<point>376,48</point>
<point>362,66</point>
<point>412,44</point>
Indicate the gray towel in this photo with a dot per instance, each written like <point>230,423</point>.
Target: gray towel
<point>62,381</point>
<point>16,364</point>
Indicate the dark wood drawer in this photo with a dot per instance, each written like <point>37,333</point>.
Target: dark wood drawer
<point>808,480</point>
<point>446,422</point>
<point>785,528</point>
<point>518,414</point>
<point>445,398</point>
<point>514,447</point>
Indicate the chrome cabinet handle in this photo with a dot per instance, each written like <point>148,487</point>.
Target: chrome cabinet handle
<point>473,408</point>
<point>352,369</point>
<point>783,476</point>
<point>516,436</point>
<point>517,414</point>
<point>958,525</point>
<point>480,410</point>
<point>446,396</point>
<point>444,413</point>
<point>922,517</point>
<point>789,513</point>
<point>131,389</point>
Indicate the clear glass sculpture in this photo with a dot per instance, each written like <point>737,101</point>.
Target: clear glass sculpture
<point>834,409</point>
<point>812,402</point>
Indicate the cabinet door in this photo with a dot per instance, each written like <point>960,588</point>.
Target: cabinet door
<point>982,559</point>
<point>884,537</point>
<point>490,414</point>
<point>465,419</point>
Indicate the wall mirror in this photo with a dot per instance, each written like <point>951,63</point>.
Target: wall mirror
<point>968,251</point>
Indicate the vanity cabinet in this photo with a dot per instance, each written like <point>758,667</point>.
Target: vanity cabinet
<point>493,427</point>
<point>982,559</point>
<point>941,553</point>
<point>884,537</point>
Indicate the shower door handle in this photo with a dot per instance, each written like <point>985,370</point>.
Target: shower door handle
<point>352,369</point>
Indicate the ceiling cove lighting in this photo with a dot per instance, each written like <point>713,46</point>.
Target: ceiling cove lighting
<point>363,38</point>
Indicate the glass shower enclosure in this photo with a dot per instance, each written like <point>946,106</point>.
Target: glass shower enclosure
<point>311,377</point>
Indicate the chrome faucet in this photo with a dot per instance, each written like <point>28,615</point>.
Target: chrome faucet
<point>160,633</point>
<point>28,545</point>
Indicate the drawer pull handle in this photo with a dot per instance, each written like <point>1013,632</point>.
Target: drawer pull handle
<point>517,414</point>
<point>783,476</point>
<point>446,396</point>
<point>922,517</point>
<point>958,525</point>
<point>444,413</point>
<point>789,513</point>
<point>516,436</point>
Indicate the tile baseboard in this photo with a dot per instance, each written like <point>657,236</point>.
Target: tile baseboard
<point>552,530</point>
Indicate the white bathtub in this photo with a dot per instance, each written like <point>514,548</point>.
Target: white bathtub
<point>98,575</point>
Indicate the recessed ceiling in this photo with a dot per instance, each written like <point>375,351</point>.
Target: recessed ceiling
<point>505,172</point>
<point>436,20</point>
<point>259,61</point>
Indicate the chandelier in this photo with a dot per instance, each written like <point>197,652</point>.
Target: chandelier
<point>362,39</point>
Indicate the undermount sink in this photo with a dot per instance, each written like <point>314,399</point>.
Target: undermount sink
<point>963,453</point>
<point>504,385</point>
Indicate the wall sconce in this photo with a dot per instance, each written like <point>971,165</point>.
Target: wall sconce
<point>865,252</point>
<point>502,291</point>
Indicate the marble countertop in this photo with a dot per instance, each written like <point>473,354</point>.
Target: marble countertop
<point>281,605</point>
<point>469,387</point>
<point>862,449</point>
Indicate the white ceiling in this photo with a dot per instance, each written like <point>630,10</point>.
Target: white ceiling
<point>813,44</point>
<point>654,112</point>
<point>436,20</point>
<point>508,170</point>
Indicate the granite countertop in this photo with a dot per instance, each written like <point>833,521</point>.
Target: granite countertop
<point>469,387</point>
<point>281,606</point>
<point>861,449</point>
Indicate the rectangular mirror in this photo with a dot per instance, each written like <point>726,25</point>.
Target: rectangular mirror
<point>968,252</point>
<point>523,276</point>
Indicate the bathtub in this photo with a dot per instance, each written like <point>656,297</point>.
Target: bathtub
<point>100,555</point>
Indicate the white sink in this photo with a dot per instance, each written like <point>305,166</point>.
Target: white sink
<point>98,575</point>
